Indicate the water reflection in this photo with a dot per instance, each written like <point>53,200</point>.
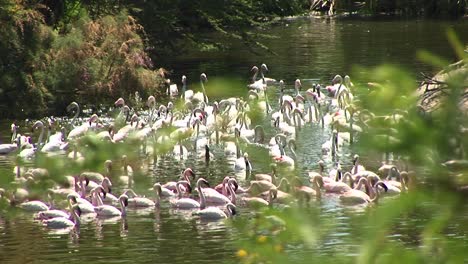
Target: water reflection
<point>310,49</point>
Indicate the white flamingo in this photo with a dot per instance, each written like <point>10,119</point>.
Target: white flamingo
<point>186,174</point>
<point>355,196</point>
<point>215,213</point>
<point>187,203</point>
<point>65,222</point>
<point>212,212</point>
<point>34,206</point>
<point>137,201</point>
<point>111,211</point>
<point>243,163</point>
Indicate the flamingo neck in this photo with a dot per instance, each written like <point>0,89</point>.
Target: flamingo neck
<point>202,196</point>
<point>157,199</point>
<point>123,207</point>
<point>316,187</point>
<point>225,190</point>
<point>293,152</point>
<point>356,167</point>
<point>179,191</point>
<point>232,193</point>
<point>82,188</point>
<point>41,136</point>
<point>96,196</point>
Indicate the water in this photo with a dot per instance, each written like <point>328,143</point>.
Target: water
<point>305,48</point>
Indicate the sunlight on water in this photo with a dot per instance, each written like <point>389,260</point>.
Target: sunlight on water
<point>311,50</point>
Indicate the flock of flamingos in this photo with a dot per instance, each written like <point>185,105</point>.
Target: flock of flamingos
<point>192,117</point>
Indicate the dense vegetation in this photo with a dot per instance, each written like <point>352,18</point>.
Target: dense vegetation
<point>433,146</point>
<point>52,50</point>
<point>409,8</point>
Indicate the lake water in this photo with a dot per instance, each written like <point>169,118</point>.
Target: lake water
<point>308,49</point>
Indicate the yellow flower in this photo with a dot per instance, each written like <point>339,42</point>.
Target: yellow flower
<point>278,248</point>
<point>241,253</point>
<point>261,239</point>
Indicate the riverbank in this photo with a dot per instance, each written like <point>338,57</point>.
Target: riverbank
<point>434,90</point>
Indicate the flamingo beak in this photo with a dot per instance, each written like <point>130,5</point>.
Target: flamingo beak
<point>192,174</point>
<point>233,211</point>
<point>207,183</point>
<point>236,186</point>
<point>78,211</point>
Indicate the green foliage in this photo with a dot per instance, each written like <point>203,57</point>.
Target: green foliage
<point>96,51</point>
<point>24,38</point>
<point>95,61</point>
<point>436,192</point>
<point>174,25</point>
<point>98,61</point>
<point>414,8</point>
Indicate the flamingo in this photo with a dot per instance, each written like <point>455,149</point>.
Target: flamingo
<point>163,192</point>
<point>262,83</point>
<point>64,222</point>
<point>263,186</point>
<point>279,196</point>
<point>317,183</point>
<point>201,96</point>
<point>212,196</point>
<point>127,177</point>
<point>187,95</point>
<point>338,186</point>
<point>187,203</point>
<point>356,166</point>
<point>15,142</point>
<point>51,213</point>
<point>172,90</point>
<point>211,212</point>
<point>185,174</point>
<point>29,152</point>
<point>215,213</point>
<point>321,164</point>
<point>267,177</point>
<point>277,144</point>
<point>221,188</point>
<point>111,211</point>
<point>34,206</point>
<point>243,163</point>
<point>355,196</point>
<point>138,201</point>
<point>96,176</point>
<point>284,160</point>
<point>83,128</point>
<point>85,206</point>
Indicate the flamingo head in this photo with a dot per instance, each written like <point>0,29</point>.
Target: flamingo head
<point>120,102</point>
<point>355,159</point>
<point>124,199</point>
<point>72,197</point>
<point>201,180</point>
<point>297,84</point>
<point>77,209</point>
<point>189,172</point>
<point>203,77</point>
<point>337,79</point>
<point>151,101</point>
<point>234,183</point>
